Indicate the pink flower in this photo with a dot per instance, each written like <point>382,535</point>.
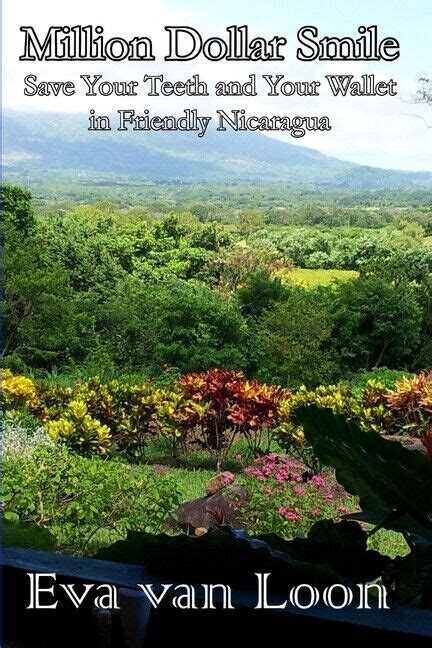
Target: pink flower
<point>292,516</point>
<point>267,490</point>
<point>239,456</point>
<point>227,479</point>
<point>317,480</point>
<point>342,509</point>
<point>296,477</point>
<point>299,491</point>
<point>315,512</point>
<point>329,497</point>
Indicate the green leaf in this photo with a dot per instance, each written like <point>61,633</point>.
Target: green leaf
<point>386,476</point>
<point>221,556</point>
<point>28,535</point>
<point>340,545</point>
<point>413,583</point>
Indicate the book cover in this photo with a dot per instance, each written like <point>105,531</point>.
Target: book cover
<point>216,322</point>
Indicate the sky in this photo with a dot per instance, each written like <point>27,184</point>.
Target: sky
<point>388,132</point>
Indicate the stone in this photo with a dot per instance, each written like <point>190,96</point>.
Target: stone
<point>218,482</point>
<point>209,511</point>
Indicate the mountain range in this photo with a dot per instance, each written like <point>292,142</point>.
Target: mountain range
<point>49,142</point>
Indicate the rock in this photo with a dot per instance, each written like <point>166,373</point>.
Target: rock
<point>218,482</point>
<point>201,531</point>
<point>211,510</point>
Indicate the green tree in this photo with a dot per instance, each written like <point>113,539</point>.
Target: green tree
<point>182,324</point>
<point>17,209</point>
<point>250,220</point>
<point>45,323</point>
<point>259,292</point>
<point>376,323</point>
<point>291,342</point>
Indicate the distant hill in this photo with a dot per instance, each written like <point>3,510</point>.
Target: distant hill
<point>55,143</point>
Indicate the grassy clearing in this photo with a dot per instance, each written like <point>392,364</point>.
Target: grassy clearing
<point>310,277</point>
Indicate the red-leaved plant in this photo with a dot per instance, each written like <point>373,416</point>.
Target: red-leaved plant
<point>238,406</point>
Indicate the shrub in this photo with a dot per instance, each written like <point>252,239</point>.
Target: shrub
<point>211,408</point>
<point>79,431</point>
<point>411,404</point>
<point>19,439</point>
<point>340,399</point>
<point>19,392</point>
<point>129,411</point>
<point>292,341</point>
<point>237,406</point>
<point>85,501</point>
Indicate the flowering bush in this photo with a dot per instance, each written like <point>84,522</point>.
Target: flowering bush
<point>286,499</point>
<point>19,392</point>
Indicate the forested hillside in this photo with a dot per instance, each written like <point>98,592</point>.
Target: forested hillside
<point>62,145</point>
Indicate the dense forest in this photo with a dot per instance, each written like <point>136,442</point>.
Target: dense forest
<point>303,291</point>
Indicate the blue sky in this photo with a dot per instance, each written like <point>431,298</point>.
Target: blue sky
<point>376,131</point>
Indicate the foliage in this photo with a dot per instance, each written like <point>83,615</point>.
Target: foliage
<point>405,409</point>
<point>259,293</point>
<point>132,289</point>
<point>236,406</point>
<point>27,535</point>
<point>377,323</point>
<point>229,271</point>
<point>393,485</point>
<point>391,481</point>
<point>79,431</point>
<point>17,209</point>
<point>291,342</point>
<point>19,392</point>
<point>331,552</point>
<point>230,557</point>
<point>172,322</point>
<point>211,408</point>
<point>411,404</point>
<point>22,435</point>
<point>46,323</point>
<point>80,500</point>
